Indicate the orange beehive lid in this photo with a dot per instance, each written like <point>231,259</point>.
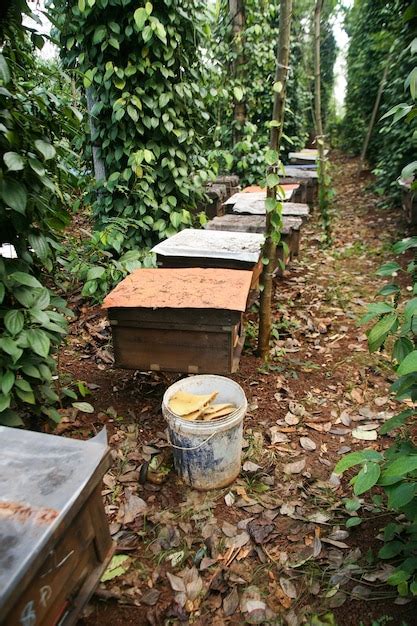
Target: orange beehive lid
<point>285,186</point>
<point>182,288</point>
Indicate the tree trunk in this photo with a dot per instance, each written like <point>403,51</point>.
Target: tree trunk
<point>317,81</point>
<point>323,176</point>
<point>98,163</point>
<point>237,18</point>
<point>373,116</point>
<point>270,247</point>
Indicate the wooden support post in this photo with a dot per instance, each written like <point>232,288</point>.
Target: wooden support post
<point>373,115</point>
<point>98,163</point>
<point>322,164</point>
<point>270,248</point>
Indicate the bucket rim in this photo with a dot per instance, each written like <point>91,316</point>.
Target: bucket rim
<point>201,424</point>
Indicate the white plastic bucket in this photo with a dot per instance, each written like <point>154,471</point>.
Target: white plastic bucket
<point>207,455</point>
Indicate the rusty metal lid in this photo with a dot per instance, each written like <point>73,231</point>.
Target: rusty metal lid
<point>256,188</point>
<point>308,154</point>
<point>245,196</point>
<point>182,288</point>
<point>41,479</point>
<point>237,246</point>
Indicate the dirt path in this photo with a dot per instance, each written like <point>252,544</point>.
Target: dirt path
<point>273,546</point>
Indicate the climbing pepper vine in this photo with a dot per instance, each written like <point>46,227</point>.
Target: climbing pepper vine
<point>140,64</point>
<point>253,86</point>
<point>380,35</point>
<point>33,195</point>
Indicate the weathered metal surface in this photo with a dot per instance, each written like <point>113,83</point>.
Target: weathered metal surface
<point>182,288</point>
<point>43,481</point>
<point>297,172</point>
<point>250,223</point>
<point>239,246</point>
<point>207,455</point>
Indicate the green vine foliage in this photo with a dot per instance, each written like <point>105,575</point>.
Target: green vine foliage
<point>328,55</point>
<point>379,35</point>
<point>33,195</point>
<point>254,86</point>
<point>395,470</point>
<point>142,65</point>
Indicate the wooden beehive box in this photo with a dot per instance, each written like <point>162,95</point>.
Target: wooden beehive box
<point>256,194</point>
<point>409,201</point>
<point>179,320</point>
<point>216,195</point>
<point>306,156</point>
<point>290,233</point>
<point>257,207</point>
<point>203,248</point>
<point>54,537</point>
<point>308,179</point>
<point>231,181</point>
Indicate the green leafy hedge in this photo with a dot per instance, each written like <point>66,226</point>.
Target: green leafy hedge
<point>32,212</point>
<point>380,34</point>
<point>254,84</point>
<point>141,63</point>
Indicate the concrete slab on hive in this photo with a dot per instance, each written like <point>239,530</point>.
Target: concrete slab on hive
<point>257,207</point>
<point>182,288</point>
<point>250,223</point>
<point>239,246</point>
<point>297,172</point>
<point>257,193</point>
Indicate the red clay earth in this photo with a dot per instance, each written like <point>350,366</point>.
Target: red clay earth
<point>320,363</point>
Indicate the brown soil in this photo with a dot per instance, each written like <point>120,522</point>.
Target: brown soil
<point>320,361</point>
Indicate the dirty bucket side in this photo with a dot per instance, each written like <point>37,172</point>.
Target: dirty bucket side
<point>207,455</point>
<point>211,465</point>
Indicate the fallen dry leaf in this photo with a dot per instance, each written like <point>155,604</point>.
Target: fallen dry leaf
<point>295,468</point>
<point>288,587</point>
<point>307,444</point>
<point>132,507</point>
<point>366,435</point>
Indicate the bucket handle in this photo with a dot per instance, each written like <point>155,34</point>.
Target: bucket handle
<point>200,445</point>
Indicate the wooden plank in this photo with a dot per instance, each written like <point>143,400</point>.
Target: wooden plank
<point>51,584</point>
<point>173,350</point>
<point>178,318</point>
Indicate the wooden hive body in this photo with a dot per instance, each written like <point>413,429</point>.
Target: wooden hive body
<point>179,320</point>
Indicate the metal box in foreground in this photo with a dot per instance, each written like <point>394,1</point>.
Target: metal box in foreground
<point>54,537</point>
<point>179,320</point>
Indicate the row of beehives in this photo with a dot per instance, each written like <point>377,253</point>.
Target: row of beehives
<point>187,315</point>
